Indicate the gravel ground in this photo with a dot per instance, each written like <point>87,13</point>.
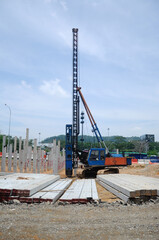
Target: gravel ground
<point>107,221</point>
<point>100,221</point>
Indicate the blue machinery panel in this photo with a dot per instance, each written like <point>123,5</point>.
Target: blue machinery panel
<point>97,159</point>
<point>68,151</point>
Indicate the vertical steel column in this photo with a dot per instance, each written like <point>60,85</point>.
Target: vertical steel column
<point>75,121</point>
<point>82,122</point>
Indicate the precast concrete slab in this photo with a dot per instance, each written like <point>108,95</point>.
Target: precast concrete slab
<point>51,193</point>
<point>114,191</point>
<point>120,186</point>
<point>25,184</point>
<point>81,191</point>
<point>130,186</point>
<point>147,185</point>
<point>5,173</point>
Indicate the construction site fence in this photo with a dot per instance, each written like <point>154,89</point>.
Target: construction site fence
<point>144,161</point>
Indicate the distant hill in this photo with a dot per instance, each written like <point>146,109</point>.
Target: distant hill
<point>50,139</point>
<point>90,139</point>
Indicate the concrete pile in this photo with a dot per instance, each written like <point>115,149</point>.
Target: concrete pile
<point>51,193</point>
<point>130,187</point>
<point>37,188</point>
<point>17,185</point>
<point>32,160</point>
<point>81,191</point>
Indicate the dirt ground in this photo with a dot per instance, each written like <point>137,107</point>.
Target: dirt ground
<point>149,170</point>
<point>80,222</point>
<point>108,220</point>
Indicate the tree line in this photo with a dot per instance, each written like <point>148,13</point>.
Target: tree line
<point>124,144</point>
<point>11,141</point>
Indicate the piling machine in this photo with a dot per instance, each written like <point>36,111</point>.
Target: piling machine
<point>95,158</point>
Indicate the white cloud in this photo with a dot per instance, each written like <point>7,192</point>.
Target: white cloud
<point>137,128</point>
<point>64,5</point>
<point>25,85</point>
<point>53,88</point>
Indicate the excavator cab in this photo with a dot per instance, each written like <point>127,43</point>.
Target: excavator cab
<point>96,157</point>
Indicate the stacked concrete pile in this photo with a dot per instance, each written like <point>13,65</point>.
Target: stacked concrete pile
<point>27,187</point>
<point>36,188</point>
<point>51,193</point>
<point>81,191</point>
<point>130,187</point>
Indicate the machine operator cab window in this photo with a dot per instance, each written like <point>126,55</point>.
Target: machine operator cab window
<point>102,155</point>
<point>97,155</point>
<point>94,155</point>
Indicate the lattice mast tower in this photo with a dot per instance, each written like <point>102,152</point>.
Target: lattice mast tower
<point>75,120</point>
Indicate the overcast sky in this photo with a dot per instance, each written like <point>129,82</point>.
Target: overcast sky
<point>118,65</point>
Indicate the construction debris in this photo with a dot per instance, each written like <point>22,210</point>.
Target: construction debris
<point>81,191</point>
<point>130,187</point>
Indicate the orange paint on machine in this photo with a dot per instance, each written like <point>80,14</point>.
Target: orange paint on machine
<point>115,161</point>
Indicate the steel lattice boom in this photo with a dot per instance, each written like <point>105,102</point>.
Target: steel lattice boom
<point>75,121</point>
